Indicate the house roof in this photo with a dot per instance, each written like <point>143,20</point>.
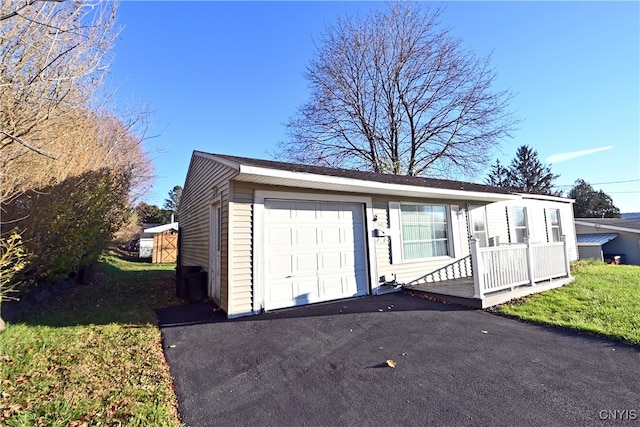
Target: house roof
<point>596,238</point>
<point>630,225</point>
<point>334,179</point>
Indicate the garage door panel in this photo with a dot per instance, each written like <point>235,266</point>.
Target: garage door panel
<point>304,211</point>
<point>332,286</point>
<point>318,252</point>
<point>279,210</point>
<point>279,236</point>
<point>306,264</point>
<point>279,266</point>
<point>331,261</point>
<point>306,236</point>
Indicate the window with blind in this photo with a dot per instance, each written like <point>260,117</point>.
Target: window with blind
<point>554,217</point>
<point>520,226</point>
<point>424,231</point>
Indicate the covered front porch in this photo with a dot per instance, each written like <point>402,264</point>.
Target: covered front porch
<point>497,274</point>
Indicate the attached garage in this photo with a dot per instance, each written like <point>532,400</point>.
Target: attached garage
<point>314,251</point>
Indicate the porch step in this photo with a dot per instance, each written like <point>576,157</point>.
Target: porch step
<point>460,292</point>
<point>444,298</point>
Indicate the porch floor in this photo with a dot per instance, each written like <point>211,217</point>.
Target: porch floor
<point>460,291</point>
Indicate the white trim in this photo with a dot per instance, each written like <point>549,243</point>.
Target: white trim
<point>546,197</point>
<point>327,182</point>
<point>228,163</point>
<point>258,237</point>
<point>215,238</point>
<point>454,230</point>
<point>161,228</point>
<point>607,226</point>
<point>394,236</point>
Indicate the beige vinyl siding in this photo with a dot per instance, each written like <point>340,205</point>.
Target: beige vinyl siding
<point>497,222</point>
<point>241,246</point>
<point>411,271</point>
<point>206,179</point>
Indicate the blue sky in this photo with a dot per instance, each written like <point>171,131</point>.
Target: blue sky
<point>223,77</point>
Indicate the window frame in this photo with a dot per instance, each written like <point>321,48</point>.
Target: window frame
<point>472,211</point>
<point>397,244</point>
<point>553,226</point>
<point>517,227</point>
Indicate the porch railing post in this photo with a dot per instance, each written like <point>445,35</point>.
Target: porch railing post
<point>565,250</point>
<point>478,270</point>
<point>530,270</point>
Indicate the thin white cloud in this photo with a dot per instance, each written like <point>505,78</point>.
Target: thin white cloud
<point>557,158</point>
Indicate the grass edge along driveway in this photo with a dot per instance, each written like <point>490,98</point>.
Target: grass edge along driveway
<point>94,356</point>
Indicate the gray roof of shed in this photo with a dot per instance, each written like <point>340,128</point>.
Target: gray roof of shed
<point>596,238</point>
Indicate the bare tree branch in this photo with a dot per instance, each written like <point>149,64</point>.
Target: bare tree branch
<point>392,92</point>
<point>29,146</point>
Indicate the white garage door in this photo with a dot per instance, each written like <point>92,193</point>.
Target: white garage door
<point>314,251</point>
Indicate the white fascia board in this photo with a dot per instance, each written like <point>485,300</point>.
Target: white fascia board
<point>232,165</point>
<point>546,197</point>
<point>326,182</point>
<point>607,226</point>
<point>161,228</point>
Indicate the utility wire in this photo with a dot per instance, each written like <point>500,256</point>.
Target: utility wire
<point>601,183</point>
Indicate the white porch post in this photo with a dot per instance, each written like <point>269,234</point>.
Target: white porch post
<point>567,266</point>
<point>478,273</point>
<point>530,271</point>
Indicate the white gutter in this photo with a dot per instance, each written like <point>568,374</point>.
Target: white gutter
<point>607,226</point>
<point>343,184</point>
<point>546,197</point>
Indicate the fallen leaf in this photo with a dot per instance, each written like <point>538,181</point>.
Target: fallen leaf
<point>484,332</point>
<point>391,363</point>
<point>380,309</point>
<point>172,346</point>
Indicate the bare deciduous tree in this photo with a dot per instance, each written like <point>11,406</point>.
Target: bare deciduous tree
<point>53,56</point>
<point>393,93</point>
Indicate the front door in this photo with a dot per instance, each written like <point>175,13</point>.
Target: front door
<point>478,224</point>
<point>215,248</point>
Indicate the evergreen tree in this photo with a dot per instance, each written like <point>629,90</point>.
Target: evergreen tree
<point>590,203</point>
<point>498,176</point>
<point>525,173</point>
<point>172,203</point>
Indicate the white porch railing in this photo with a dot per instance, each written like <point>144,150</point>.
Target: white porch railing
<point>507,266</point>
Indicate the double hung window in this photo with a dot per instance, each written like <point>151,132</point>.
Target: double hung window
<point>424,231</point>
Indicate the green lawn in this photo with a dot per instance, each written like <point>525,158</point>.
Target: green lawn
<point>93,356</point>
<point>604,300</point>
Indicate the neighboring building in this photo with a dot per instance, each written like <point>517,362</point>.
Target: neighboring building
<point>273,234</point>
<point>605,238</point>
<point>147,237</point>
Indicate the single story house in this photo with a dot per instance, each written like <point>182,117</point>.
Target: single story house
<point>273,235</point>
<point>604,238</point>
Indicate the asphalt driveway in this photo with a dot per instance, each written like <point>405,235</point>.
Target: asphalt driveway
<point>325,365</point>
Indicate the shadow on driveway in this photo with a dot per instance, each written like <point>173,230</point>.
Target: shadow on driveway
<point>326,365</point>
